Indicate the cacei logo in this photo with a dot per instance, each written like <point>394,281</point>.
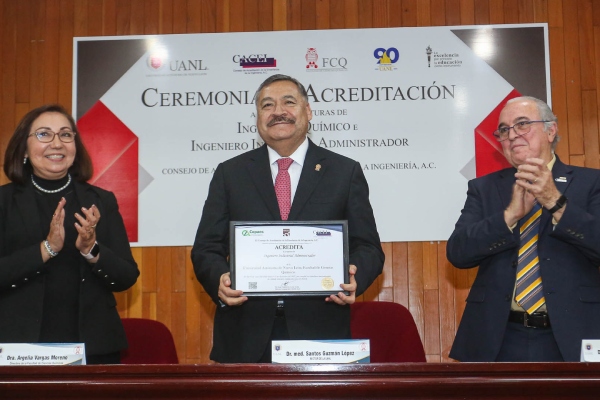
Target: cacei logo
<point>255,61</point>
<point>250,232</point>
<point>252,64</point>
<point>386,58</point>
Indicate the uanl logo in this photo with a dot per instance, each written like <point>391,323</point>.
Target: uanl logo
<point>157,62</point>
<point>386,58</point>
<point>187,65</point>
<point>255,61</point>
<point>322,233</point>
<point>314,63</point>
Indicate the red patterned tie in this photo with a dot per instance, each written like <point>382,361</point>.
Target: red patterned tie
<point>283,187</point>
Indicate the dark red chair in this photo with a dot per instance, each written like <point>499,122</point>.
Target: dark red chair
<point>150,342</point>
<point>391,330</point>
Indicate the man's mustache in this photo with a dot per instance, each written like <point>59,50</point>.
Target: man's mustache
<point>281,118</point>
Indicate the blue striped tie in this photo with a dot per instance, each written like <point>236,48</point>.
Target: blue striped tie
<point>530,292</point>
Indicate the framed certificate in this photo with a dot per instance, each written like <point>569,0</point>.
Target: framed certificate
<point>288,258</point>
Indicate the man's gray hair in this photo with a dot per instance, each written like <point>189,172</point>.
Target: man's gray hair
<point>281,77</point>
<point>545,112</point>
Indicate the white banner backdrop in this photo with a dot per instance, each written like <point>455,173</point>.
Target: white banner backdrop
<point>404,102</point>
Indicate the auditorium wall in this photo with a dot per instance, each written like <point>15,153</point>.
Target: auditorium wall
<point>36,42</point>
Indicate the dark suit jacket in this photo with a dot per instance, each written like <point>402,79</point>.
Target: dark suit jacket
<point>242,190</point>
<point>569,256</point>
<point>22,270</point>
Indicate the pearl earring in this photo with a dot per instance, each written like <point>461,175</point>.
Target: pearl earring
<point>25,160</point>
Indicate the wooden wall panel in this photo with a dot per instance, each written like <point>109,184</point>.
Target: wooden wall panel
<point>467,12</point>
<point>573,73</point>
<point>351,14</point>
<point>36,38</point>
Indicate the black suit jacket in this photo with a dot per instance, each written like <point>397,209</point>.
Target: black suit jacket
<point>242,190</point>
<point>569,256</point>
<point>22,270</point>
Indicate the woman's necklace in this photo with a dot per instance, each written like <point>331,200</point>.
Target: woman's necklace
<point>41,189</point>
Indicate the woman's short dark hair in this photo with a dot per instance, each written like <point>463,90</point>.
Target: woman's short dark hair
<point>18,172</point>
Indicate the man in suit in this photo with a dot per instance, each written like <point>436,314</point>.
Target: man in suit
<point>505,320</point>
<point>324,186</point>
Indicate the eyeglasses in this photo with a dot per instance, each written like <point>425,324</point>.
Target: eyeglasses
<point>47,136</point>
<point>520,128</point>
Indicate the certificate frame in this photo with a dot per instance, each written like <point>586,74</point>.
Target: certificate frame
<point>322,230</point>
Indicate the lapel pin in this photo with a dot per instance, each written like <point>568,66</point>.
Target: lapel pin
<point>318,167</point>
<point>561,179</point>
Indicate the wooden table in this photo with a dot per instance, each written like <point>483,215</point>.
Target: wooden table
<point>326,381</point>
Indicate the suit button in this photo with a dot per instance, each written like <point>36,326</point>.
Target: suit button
<point>14,286</point>
<point>83,280</point>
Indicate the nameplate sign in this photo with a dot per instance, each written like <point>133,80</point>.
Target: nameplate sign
<point>42,354</point>
<point>349,351</point>
<point>590,350</point>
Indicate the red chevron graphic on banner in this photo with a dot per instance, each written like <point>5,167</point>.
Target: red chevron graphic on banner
<point>114,151</point>
<point>488,151</point>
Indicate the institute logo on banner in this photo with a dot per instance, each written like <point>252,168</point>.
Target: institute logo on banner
<point>161,65</point>
<point>286,232</point>
<point>442,59</point>
<point>386,58</point>
<point>311,58</point>
<point>252,64</point>
<point>314,63</point>
<point>428,51</point>
<point>155,62</point>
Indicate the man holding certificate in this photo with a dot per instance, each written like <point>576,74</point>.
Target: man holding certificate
<point>289,179</point>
